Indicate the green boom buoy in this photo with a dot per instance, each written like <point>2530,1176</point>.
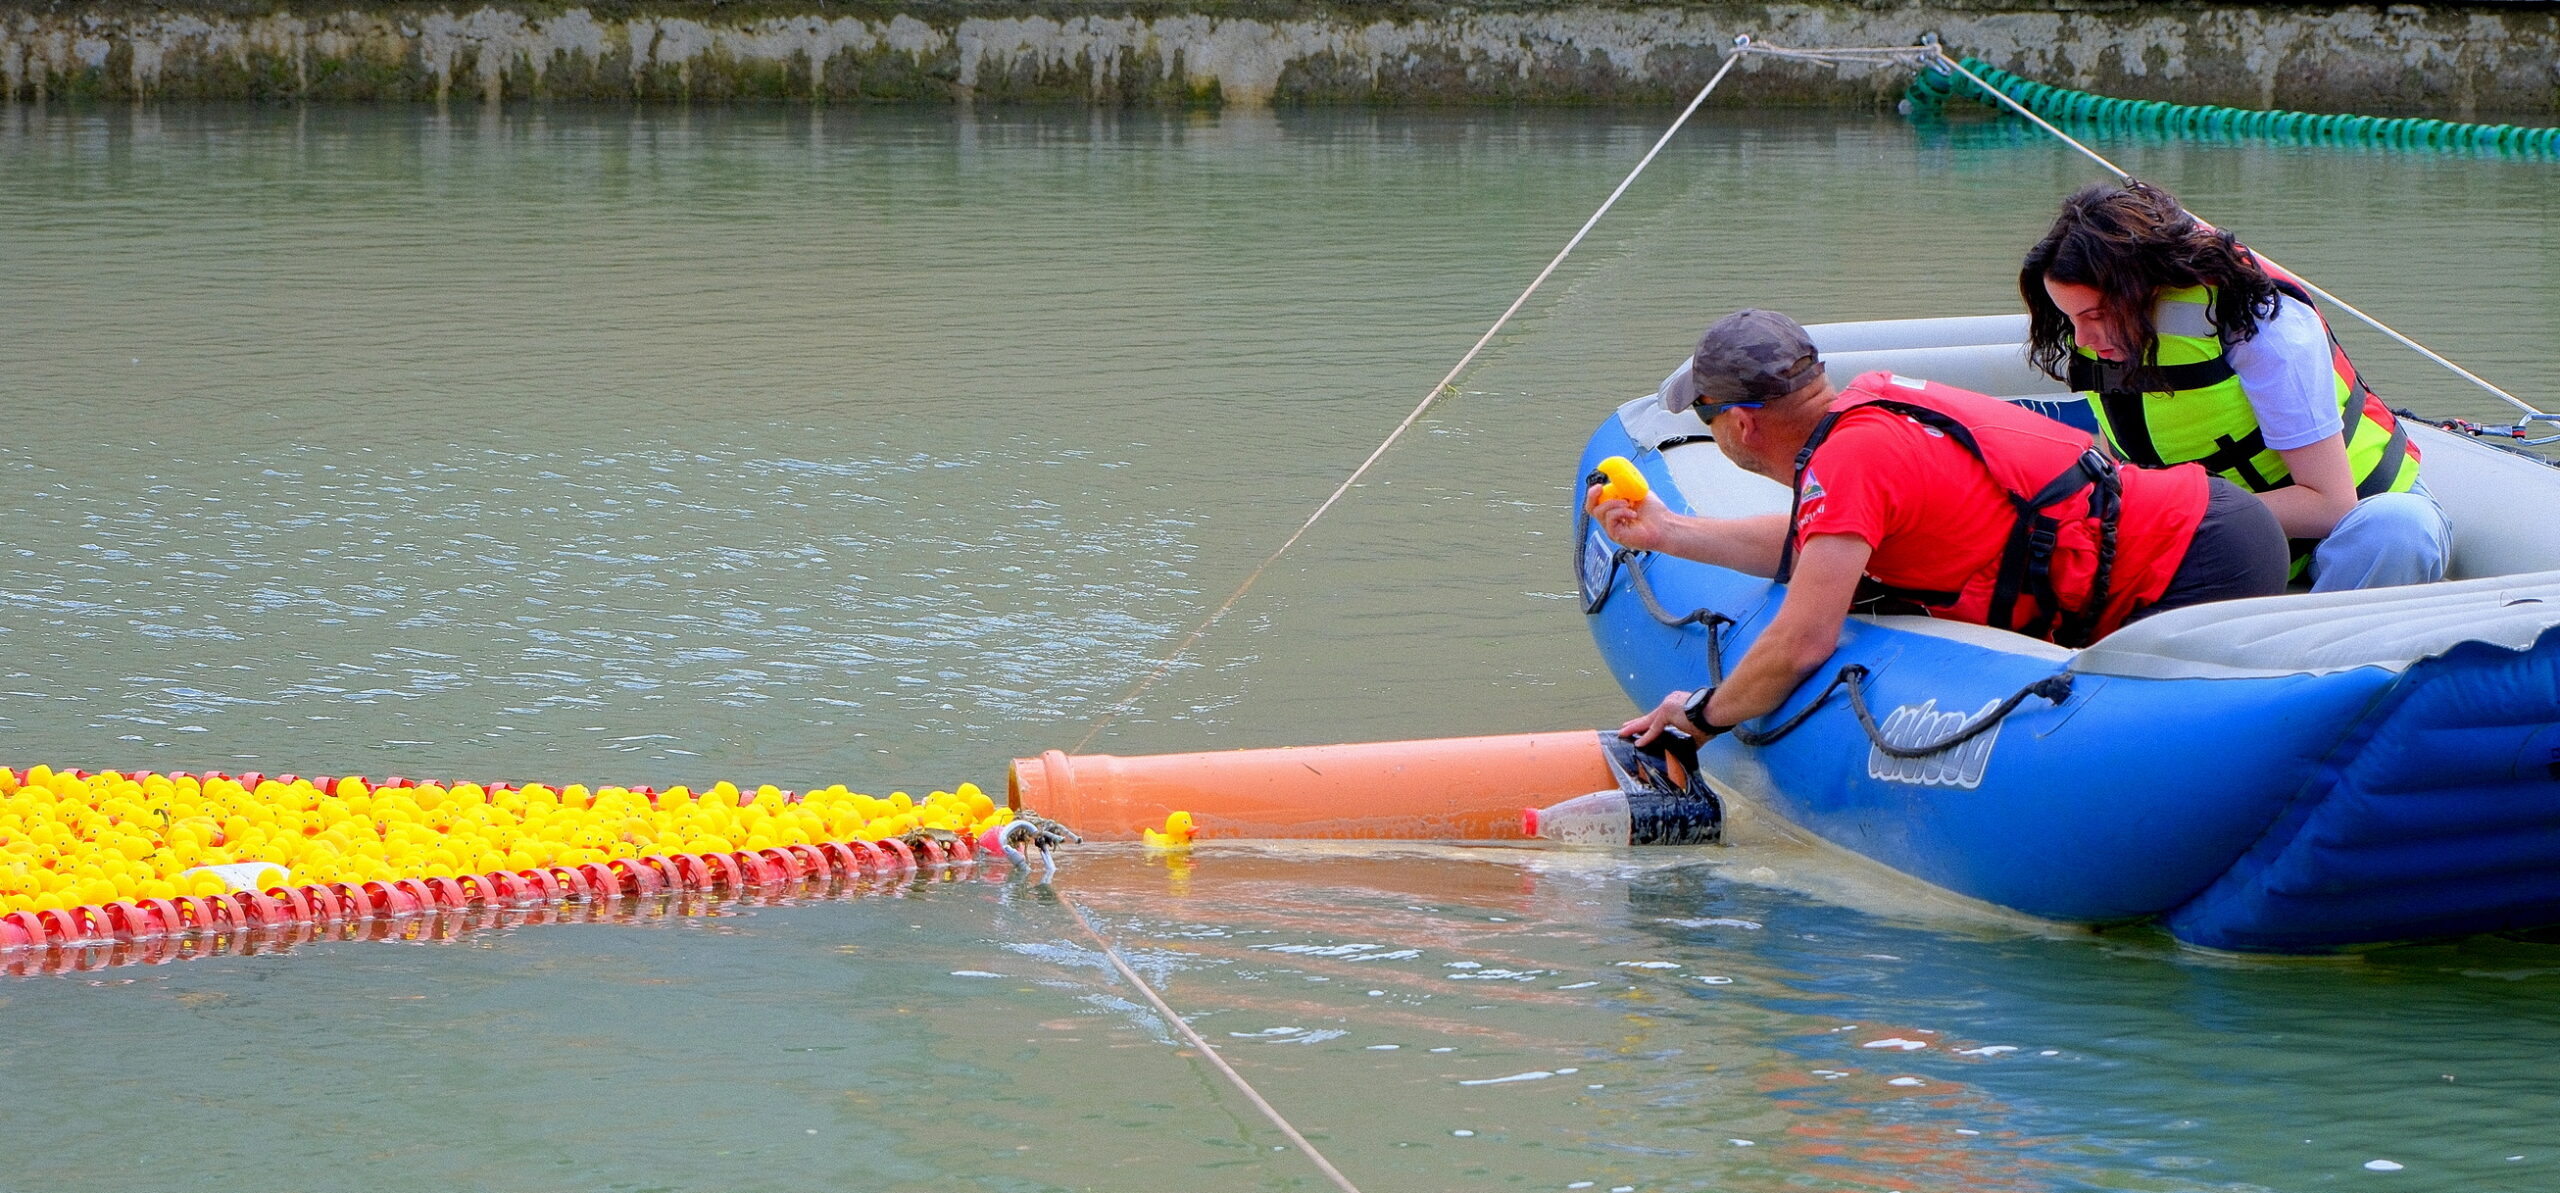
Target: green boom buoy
<point>1934,86</point>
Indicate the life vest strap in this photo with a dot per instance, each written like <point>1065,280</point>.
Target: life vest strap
<point>2026,565</point>
<point>1795,503</point>
<point>2395,456</point>
<point>2129,426</point>
<point>2090,374</point>
<point>1876,598</point>
<point>2026,559</point>
<point>2240,456</point>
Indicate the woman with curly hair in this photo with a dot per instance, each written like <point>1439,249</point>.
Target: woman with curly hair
<point>2190,348</point>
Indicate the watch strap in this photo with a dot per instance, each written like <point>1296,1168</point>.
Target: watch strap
<point>1696,711</point>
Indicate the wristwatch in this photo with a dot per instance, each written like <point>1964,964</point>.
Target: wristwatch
<point>1696,711</point>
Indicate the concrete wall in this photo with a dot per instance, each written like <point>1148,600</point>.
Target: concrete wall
<point>2453,60</point>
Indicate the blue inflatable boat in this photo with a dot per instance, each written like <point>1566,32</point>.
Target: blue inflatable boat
<point>2294,774</point>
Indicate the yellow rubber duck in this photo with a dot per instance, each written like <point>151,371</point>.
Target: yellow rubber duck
<point>1176,835</point>
<point>1624,483</point>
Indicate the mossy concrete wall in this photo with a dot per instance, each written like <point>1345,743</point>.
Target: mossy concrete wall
<point>2441,59</point>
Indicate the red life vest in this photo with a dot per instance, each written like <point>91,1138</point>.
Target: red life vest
<point>2088,544</point>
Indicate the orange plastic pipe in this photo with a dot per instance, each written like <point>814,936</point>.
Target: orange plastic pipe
<point>1460,788</point>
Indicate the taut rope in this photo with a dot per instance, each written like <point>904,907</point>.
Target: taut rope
<point>2530,412</point>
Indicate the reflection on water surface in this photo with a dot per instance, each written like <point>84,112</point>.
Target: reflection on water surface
<point>882,447</point>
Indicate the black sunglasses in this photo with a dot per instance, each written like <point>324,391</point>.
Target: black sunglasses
<point>1707,411</point>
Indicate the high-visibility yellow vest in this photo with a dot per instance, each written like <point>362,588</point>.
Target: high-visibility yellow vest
<point>2204,416</point>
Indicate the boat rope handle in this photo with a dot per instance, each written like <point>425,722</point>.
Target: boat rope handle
<point>1211,1054</point>
<point>2531,412</point>
<point>2055,688</point>
<point>1741,47</point>
<point>1704,618</point>
<point>1631,561</point>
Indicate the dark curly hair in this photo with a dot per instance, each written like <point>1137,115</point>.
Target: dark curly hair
<point>2130,242</point>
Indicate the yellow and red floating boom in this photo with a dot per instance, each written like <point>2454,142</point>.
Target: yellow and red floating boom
<point>110,856</point>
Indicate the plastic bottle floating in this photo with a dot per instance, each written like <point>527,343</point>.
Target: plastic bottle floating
<point>1627,818</point>
<point>112,857</point>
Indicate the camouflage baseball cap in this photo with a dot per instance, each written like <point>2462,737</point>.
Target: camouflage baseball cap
<point>1751,355</point>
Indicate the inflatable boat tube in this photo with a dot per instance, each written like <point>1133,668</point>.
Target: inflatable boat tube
<point>2292,774</point>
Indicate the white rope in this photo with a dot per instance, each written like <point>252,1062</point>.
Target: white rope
<point>1153,999</point>
<point>1932,42</point>
<point>1876,55</point>
<point>1742,46</point>
<point>2528,408</point>
<point>2378,325</point>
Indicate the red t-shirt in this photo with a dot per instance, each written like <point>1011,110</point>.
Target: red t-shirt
<point>1937,520</point>
<point>1933,515</point>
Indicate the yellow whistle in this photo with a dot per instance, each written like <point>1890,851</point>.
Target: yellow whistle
<point>1625,483</point>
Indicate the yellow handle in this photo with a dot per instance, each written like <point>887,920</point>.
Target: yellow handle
<point>1625,483</point>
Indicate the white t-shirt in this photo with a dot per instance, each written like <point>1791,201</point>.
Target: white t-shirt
<point>2286,372</point>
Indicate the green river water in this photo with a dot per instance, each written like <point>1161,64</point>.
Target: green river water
<point>882,447</point>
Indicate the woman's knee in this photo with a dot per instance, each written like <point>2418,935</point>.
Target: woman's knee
<point>2389,538</point>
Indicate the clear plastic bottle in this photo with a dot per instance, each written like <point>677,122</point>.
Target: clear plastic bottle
<point>1619,818</point>
<point>1599,818</point>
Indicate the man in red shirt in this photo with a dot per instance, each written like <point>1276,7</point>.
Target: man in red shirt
<point>1963,506</point>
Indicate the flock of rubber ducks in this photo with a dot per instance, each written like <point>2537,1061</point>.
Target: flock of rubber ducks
<point>68,839</point>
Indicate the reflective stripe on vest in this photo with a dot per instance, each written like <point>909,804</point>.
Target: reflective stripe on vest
<point>2204,415</point>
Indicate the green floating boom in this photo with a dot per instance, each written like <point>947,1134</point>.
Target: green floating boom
<point>1935,85</point>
